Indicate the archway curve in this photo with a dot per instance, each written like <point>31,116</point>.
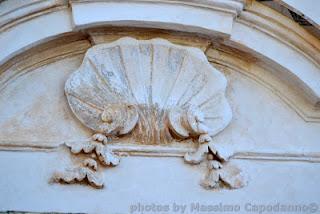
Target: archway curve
<point>243,29</point>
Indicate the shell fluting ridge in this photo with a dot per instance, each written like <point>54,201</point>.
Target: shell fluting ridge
<point>151,90</point>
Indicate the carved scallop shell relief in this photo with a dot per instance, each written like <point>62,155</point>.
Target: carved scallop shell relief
<point>151,92</point>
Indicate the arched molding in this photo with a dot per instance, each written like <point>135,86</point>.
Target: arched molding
<point>262,74</point>
<point>221,56</point>
<point>307,9</point>
<point>293,57</point>
<point>118,62</point>
<point>282,43</point>
<point>50,21</point>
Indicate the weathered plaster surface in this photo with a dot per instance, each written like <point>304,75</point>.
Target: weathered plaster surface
<point>64,17</point>
<point>161,181</point>
<point>35,96</point>
<point>272,70</point>
<point>35,108</point>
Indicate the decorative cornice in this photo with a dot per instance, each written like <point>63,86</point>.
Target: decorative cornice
<point>162,151</point>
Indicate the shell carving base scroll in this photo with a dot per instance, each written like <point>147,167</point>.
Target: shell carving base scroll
<point>151,92</point>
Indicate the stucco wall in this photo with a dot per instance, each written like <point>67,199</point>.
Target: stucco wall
<point>272,86</point>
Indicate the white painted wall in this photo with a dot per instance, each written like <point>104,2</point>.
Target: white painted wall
<point>273,143</point>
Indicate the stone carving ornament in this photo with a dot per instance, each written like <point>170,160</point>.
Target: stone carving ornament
<point>152,92</point>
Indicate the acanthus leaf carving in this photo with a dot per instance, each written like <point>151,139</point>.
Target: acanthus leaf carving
<point>79,174</point>
<point>223,174</point>
<point>101,151</point>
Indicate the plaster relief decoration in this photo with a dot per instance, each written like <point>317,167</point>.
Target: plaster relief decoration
<point>149,92</point>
